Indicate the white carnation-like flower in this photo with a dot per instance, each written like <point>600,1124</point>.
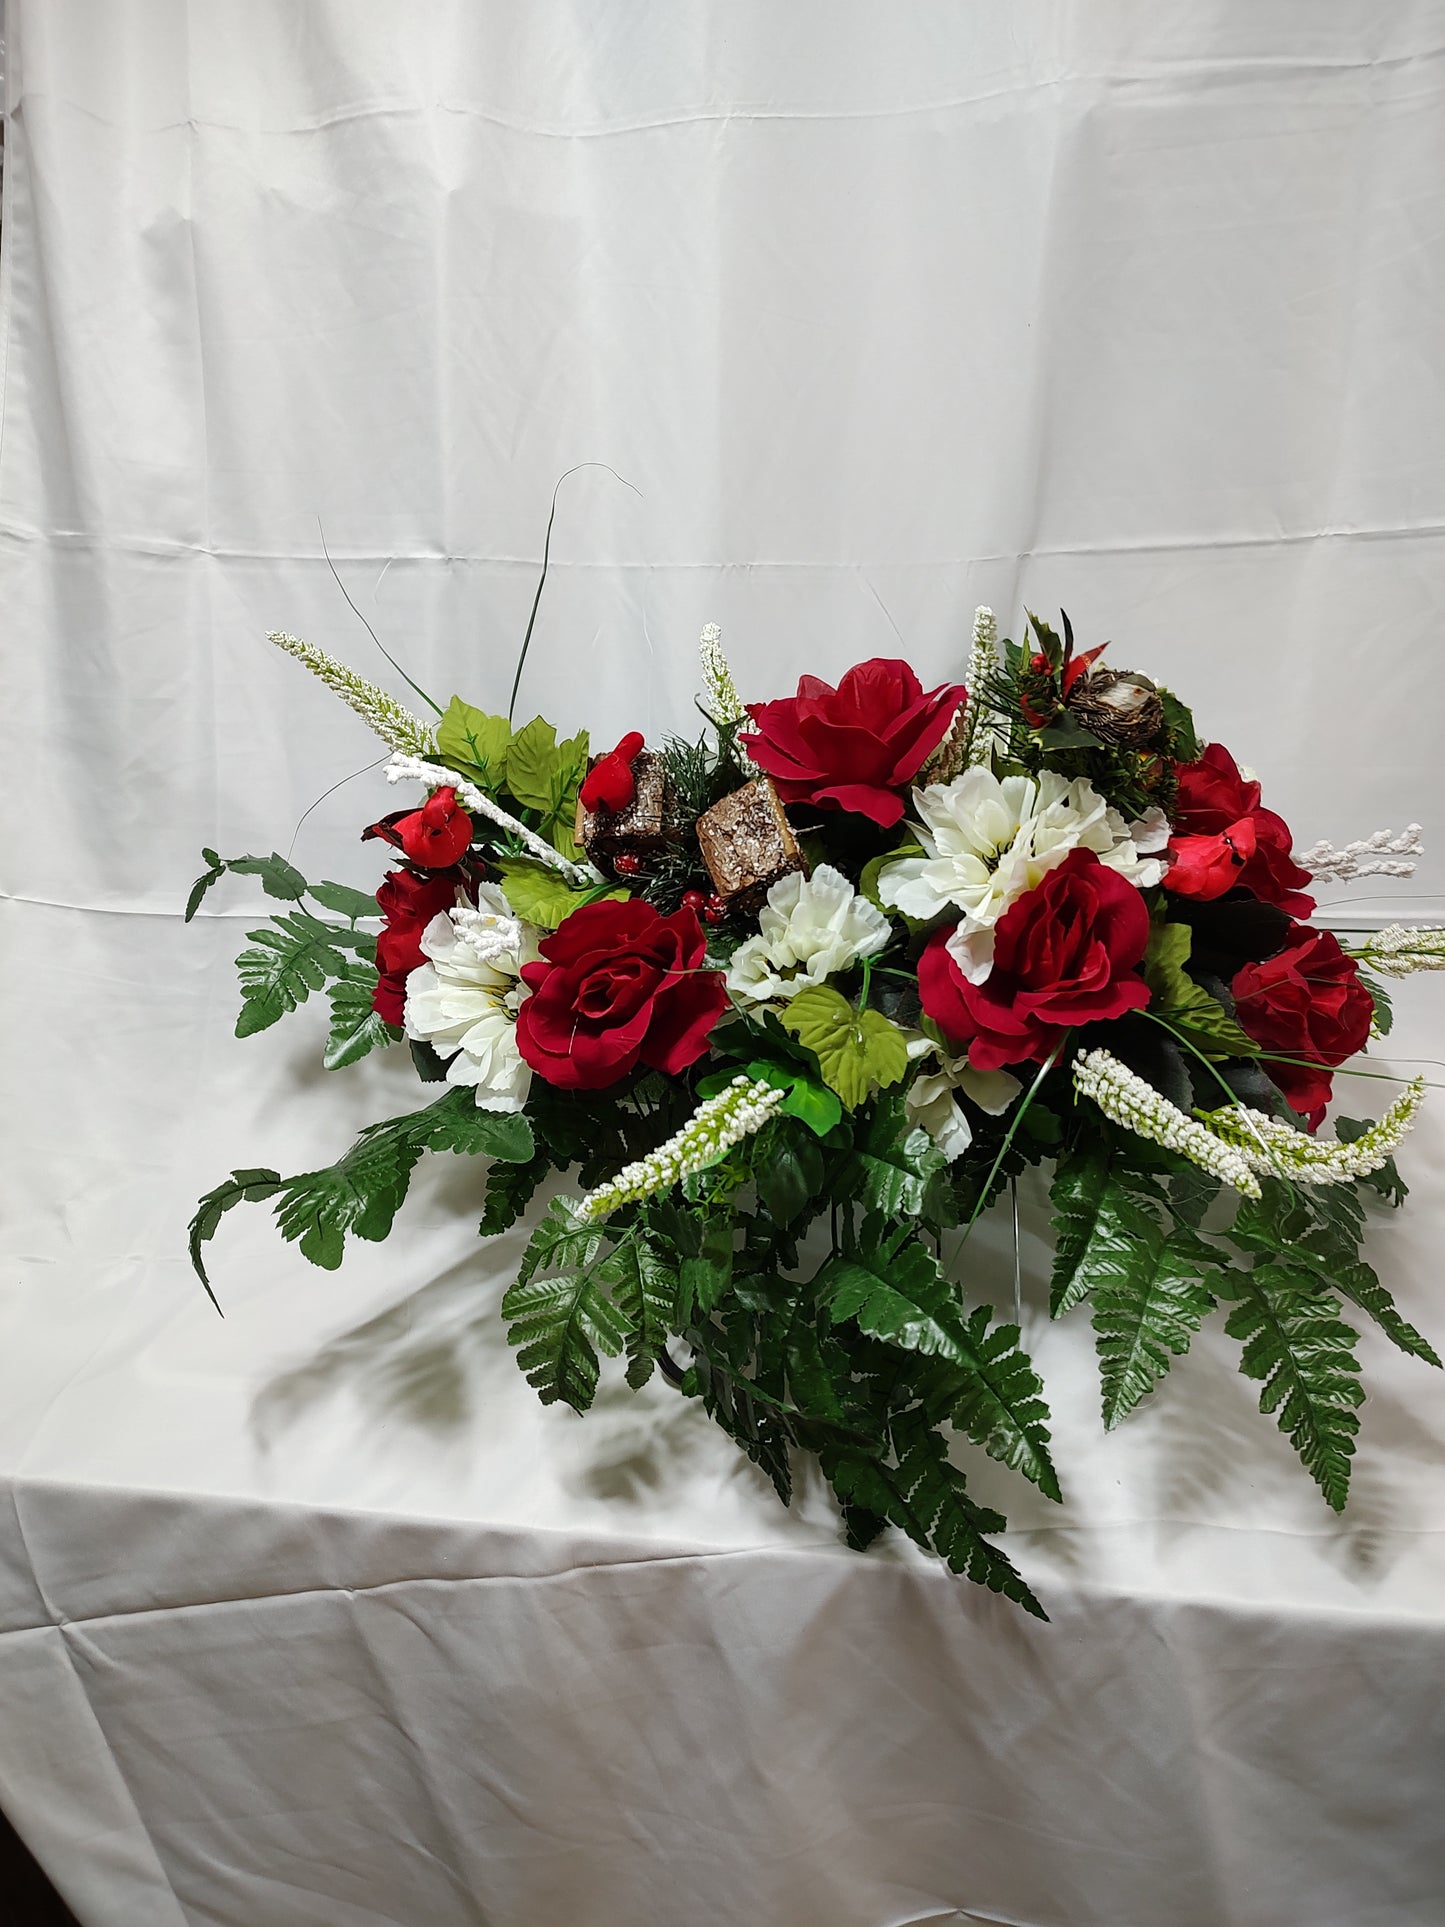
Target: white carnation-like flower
<point>988,840</point>
<point>809,929</point>
<point>931,1100</point>
<point>464,1001</point>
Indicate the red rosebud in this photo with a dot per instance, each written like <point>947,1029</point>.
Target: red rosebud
<point>1207,866</point>
<point>610,783</point>
<point>620,985</point>
<point>1066,953</point>
<point>856,747</point>
<point>439,833</point>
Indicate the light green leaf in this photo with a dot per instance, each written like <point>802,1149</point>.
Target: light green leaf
<point>811,1103</point>
<point>473,740</point>
<point>873,869</point>
<point>1185,1005</point>
<point>345,901</point>
<point>855,1049</point>
<point>355,1027</point>
<point>542,896</point>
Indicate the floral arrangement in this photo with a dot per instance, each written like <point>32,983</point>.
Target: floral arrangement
<point>789,1006</point>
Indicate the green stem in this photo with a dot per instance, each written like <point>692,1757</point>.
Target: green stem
<point>1012,1132</point>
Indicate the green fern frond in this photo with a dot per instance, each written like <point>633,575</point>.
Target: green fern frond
<point>557,1312</point>
<point>645,1289</point>
<point>1295,1342</point>
<point>1144,1318</point>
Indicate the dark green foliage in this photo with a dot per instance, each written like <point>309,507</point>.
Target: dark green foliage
<point>1145,1313</point>
<point>355,1027</point>
<point>509,1192</point>
<point>926,1496</point>
<point>278,878</point>
<point>644,1287</point>
<point>1296,1343</point>
<point>559,1313</point>
<point>242,1187</point>
<point>293,955</point>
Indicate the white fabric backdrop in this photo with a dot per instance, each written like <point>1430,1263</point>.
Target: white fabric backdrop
<point>313,1618</point>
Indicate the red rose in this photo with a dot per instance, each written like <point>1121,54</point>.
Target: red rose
<point>439,833</point>
<point>610,781</point>
<point>856,746</point>
<point>1067,953</point>
<point>1307,1001</point>
<point>621,985</point>
<point>1215,800</point>
<point>408,903</point>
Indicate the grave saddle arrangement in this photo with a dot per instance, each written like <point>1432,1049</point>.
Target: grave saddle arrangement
<point>795,1002</point>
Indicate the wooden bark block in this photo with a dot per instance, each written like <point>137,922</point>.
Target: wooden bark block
<point>747,844</point>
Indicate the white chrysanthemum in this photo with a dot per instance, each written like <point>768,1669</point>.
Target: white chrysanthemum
<point>987,840</point>
<point>931,1100</point>
<point>809,929</point>
<point>464,1002</point>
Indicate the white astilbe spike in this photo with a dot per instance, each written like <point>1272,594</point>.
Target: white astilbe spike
<point>392,721</point>
<point>721,700</point>
<point>714,1127</point>
<point>1368,856</point>
<point>1128,1100</point>
<point>975,743</point>
<point>416,769</point>
<point>1279,1150</point>
<point>1399,951</point>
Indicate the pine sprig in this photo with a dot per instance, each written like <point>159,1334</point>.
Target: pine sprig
<point>1296,1343</point>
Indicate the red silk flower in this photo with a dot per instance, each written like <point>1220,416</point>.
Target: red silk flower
<point>408,903</point>
<point>439,833</point>
<point>1306,1001</point>
<point>621,985</point>
<point>854,747</point>
<point>1066,953</point>
<point>1217,818</point>
<point>610,783</point>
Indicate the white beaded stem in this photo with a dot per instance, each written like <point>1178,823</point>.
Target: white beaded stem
<point>392,721</point>
<point>714,1127</point>
<point>1128,1100</point>
<point>976,741</point>
<point>1279,1150</point>
<point>1399,951</point>
<point>417,770</point>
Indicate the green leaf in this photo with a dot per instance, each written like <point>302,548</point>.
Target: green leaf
<point>545,775</point>
<point>362,1192</point>
<point>1095,1209</point>
<point>788,1170</point>
<point>509,1192</point>
<point>355,1027</point>
<point>1145,1311</point>
<point>645,1289</point>
<point>927,1497</point>
<point>893,1164</point>
<point>345,901</point>
<point>1184,743</point>
<point>249,1187</point>
<point>294,955</point>
<point>471,739</point>
<point>278,877</point>
<point>1295,1342</point>
<point>1185,1005</point>
<point>998,1402</point>
<point>557,1312</point>
<point>704,1276</point>
<point>892,1289</point>
<point>855,1049</point>
<point>1384,1005</point>
<point>203,883</point>
<point>543,896</point>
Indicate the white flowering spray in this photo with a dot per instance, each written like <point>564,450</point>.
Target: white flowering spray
<point>416,769</point>
<point>1380,855</point>
<point>1127,1099</point>
<point>810,928</point>
<point>1398,951</point>
<point>977,738</point>
<point>392,721</point>
<point>713,1129</point>
<point>1281,1151</point>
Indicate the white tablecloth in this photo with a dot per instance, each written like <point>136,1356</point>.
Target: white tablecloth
<point>313,1617</point>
